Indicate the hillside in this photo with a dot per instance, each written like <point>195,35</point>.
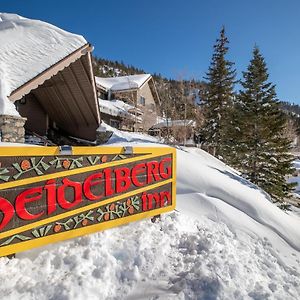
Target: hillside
<point>292,108</point>
<point>225,240</point>
<point>174,94</point>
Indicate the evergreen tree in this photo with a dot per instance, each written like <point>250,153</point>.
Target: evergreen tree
<point>263,153</point>
<point>217,99</point>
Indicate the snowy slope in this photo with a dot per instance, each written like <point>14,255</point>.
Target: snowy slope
<point>27,48</point>
<point>130,138</point>
<point>225,240</point>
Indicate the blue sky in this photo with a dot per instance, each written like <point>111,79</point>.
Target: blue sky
<point>175,38</point>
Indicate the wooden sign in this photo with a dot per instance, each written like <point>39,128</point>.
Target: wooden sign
<point>47,195</point>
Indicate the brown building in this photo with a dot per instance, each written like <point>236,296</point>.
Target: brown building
<point>49,79</point>
<point>129,102</point>
<point>180,132</point>
<point>65,101</point>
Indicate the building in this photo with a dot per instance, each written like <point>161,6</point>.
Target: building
<point>46,81</point>
<point>128,102</point>
<point>175,131</point>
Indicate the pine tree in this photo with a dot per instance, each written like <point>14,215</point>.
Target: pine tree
<point>217,99</point>
<point>263,153</point>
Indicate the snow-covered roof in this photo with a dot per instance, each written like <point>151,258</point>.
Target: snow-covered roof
<point>29,47</point>
<point>122,82</point>
<point>172,123</point>
<point>119,108</point>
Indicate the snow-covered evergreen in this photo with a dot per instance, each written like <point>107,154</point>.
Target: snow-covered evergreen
<point>263,152</point>
<point>217,98</point>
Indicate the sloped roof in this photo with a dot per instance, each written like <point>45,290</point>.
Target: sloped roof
<point>27,48</point>
<point>122,82</point>
<point>120,109</point>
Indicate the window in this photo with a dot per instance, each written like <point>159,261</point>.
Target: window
<point>142,100</point>
<point>152,106</point>
<point>114,123</point>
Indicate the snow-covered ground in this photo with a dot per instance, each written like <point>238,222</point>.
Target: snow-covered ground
<point>128,138</point>
<point>225,240</point>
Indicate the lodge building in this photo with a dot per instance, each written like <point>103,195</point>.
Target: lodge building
<point>48,90</point>
<point>129,102</point>
<point>48,79</point>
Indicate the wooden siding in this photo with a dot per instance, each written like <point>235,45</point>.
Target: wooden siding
<point>37,118</point>
<point>149,109</point>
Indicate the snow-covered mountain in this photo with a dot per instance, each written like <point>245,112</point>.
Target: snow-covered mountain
<point>225,240</point>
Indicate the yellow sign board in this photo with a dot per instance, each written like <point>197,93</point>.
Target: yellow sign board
<point>48,194</point>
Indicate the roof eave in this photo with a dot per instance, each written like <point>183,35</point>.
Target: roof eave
<point>38,80</point>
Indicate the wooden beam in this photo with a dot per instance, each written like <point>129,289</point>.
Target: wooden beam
<point>94,86</point>
<point>81,90</point>
<point>76,105</point>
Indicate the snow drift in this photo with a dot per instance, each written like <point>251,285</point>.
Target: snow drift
<point>225,240</point>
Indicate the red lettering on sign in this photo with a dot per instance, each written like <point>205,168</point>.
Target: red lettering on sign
<point>93,180</point>
<point>165,171</point>
<point>122,179</point>
<point>152,169</point>
<point>50,188</point>
<point>136,172</point>
<point>30,195</point>
<point>158,199</point>
<point>144,202</point>
<point>61,194</point>
<point>105,183</point>
<point>108,182</point>
<point>165,198</point>
<point>7,210</point>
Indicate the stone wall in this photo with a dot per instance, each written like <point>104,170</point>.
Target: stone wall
<point>12,129</point>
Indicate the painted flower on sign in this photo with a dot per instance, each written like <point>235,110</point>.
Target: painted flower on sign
<point>66,164</point>
<point>104,158</point>
<point>25,165</point>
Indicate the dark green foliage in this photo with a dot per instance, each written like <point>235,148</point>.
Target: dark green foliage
<point>217,99</point>
<point>285,206</point>
<point>262,151</point>
<point>107,68</point>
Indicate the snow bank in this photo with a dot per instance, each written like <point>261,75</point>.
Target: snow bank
<point>219,187</point>
<point>226,240</point>
<point>27,48</point>
<point>122,82</point>
<point>128,138</point>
